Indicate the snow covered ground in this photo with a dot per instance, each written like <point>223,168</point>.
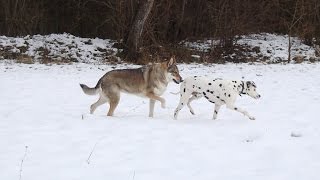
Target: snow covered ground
<point>42,107</point>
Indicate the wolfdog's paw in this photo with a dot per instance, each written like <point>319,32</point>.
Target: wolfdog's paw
<point>163,105</point>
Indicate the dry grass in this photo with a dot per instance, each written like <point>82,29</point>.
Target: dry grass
<point>24,59</point>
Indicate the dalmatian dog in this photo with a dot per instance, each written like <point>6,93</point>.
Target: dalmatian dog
<point>217,91</point>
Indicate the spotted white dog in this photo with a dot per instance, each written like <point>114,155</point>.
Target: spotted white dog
<point>217,91</point>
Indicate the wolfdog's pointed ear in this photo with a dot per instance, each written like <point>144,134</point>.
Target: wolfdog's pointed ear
<point>172,61</point>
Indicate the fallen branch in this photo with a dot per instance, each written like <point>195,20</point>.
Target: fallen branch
<point>21,165</point>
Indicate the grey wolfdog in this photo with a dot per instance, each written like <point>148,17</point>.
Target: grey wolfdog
<point>147,81</point>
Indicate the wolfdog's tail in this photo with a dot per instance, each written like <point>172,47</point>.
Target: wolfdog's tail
<point>91,91</point>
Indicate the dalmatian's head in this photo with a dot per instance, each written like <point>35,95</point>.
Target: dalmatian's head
<point>250,90</point>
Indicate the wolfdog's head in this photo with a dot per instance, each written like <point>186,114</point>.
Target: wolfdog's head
<point>173,71</point>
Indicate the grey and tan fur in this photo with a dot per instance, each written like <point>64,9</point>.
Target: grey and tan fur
<point>148,81</point>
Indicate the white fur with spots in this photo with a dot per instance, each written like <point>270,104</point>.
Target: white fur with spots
<point>217,91</point>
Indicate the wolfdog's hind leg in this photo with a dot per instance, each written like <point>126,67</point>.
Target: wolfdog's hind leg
<point>100,101</point>
<point>114,101</point>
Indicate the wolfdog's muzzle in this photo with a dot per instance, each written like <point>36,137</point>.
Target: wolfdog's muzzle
<point>180,80</point>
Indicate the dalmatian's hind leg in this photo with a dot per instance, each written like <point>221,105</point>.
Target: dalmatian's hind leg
<point>216,110</point>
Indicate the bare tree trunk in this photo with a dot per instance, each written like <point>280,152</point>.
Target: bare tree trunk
<point>180,20</point>
<point>133,40</point>
<point>289,47</point>
<point>294,21</point>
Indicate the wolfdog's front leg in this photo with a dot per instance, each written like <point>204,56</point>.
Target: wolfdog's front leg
<point>158,98</point>
<point>151,107</point>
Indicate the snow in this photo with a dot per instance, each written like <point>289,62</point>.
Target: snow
<point>276,46</point>
<point>43,108</point>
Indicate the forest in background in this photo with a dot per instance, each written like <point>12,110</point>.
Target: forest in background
<point>167,22</point>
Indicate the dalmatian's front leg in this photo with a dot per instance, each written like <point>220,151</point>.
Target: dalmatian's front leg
<point>183,101</point>
<point>244,112</point>
<point>194,97</point>
<point>216,110</point>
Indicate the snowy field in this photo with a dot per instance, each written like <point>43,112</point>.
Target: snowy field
<point>42,107</point>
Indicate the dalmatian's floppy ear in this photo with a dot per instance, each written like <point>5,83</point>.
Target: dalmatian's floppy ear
<point>251,83</point>
<point>248,83</point>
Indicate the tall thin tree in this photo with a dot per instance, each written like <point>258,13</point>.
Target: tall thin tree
<point>133,41</point>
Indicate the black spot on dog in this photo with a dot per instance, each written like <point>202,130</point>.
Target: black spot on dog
<point>208,90</point>
<point>181,103</point>
<point>211,101</point>
<point>218,97</point>
<point>215,112</point>
<point>220,85</point>
<point>203,93</point>
<point>229,95</point>
<point>195,76</point>
<point>192,86</point>
<point>209,84</point>
<point>199,87</point>
<point>184,89</point>
<point>234,85</point>
<point>211,92</point>
<point>225,94</point>
<point>222,100</point>
<point>235,108</point>
<point>206,97</point>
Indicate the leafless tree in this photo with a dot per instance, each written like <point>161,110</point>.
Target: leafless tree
<point>134,37</point>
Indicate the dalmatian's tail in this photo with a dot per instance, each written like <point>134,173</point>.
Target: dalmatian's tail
<point>175,93</point>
